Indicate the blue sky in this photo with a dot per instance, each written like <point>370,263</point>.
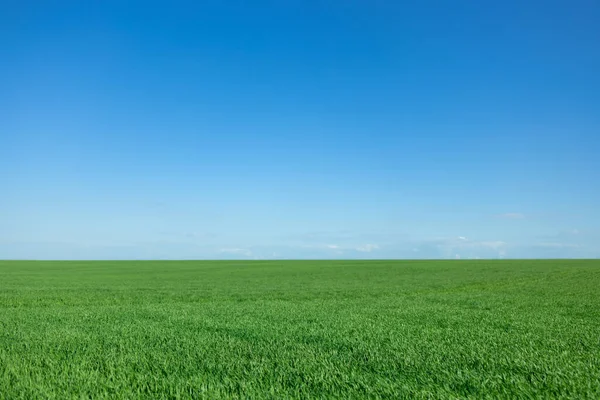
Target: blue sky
<point>299,129</point>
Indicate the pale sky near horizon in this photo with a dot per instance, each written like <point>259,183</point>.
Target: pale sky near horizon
<point>299,129</point>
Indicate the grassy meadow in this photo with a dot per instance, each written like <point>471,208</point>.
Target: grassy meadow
<point>300,329</point>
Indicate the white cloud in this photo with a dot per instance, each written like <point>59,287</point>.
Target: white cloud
<point>367,248</point>
<point>332,246</point>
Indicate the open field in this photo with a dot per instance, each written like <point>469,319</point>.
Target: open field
<point>300,329</point>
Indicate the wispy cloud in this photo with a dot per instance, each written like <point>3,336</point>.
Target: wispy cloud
<point>346,249</point>
<point>189,235</point>
<point>367,248</point>
<point>344,238</point>
<point>492,245</point>
<point>449,247</point>
<point>555,245</point>
<point>568,239</point>
<point>237,251</point>
<point>463,242</point>
<point>512,215</point>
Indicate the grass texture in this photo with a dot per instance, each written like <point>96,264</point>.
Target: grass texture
<point>300,329</point>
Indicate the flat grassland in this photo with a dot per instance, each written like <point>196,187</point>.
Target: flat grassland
<point>300,329</point>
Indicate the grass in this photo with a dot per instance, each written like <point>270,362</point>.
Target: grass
<point>300,329</point>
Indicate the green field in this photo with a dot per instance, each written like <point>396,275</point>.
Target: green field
<point>300,329</point>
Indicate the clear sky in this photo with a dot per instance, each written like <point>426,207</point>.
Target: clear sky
<point>299,129</point>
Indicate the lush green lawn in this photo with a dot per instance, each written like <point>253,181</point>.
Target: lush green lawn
<point>300,329</point>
